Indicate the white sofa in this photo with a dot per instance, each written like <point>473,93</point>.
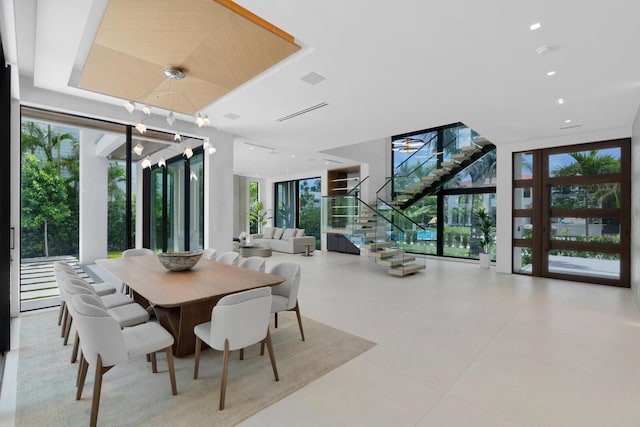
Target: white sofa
<point>288,240</point>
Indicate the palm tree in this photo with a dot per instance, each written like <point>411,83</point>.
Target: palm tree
<point>589,164</point>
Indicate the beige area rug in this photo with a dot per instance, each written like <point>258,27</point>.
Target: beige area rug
<point>133,396</point>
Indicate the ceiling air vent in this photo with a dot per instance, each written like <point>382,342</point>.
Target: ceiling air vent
<point>313,78</point>
<point>301,112</point>
<point>570,127</point>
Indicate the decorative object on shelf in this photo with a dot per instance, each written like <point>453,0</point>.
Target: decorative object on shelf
<point>486,231</point>
<point>244,238</point>
<point>258,215</point>
<point>179,261</point>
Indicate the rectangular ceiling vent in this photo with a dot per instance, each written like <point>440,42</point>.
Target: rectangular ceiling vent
<point>301,112</point>
<point>313,78</point>
<point>331,161</point>
<point>253,146</point>
<point>570,127</point>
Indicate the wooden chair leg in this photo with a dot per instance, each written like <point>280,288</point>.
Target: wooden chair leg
<point>154,364</point>
<point>67,331</point>
<point>225,369</point>
<point>262,349</point>
<point>272,355</point>
<point>61,312</point>
<point>197,358</point>
<point>76,345</point>
<point>82,375</point>
<point>97,388</point>
<point>172,373</point>
<point>65,319</point>
<point>242,354</point>
<point>276,320</point>
<point>297,310</point>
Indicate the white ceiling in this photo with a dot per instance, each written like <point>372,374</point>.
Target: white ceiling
<point>395,67</point>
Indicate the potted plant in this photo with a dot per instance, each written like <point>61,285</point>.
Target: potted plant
<point>258,215</point>
<point>486,232</point>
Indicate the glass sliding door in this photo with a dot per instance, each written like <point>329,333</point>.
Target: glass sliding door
<point>196,203</point>
<point>309,191</point>
<point>176,204</point>
<point>298,206</point>
<point>285,204</point>
<point>254,196</point>
<point>117,207</point>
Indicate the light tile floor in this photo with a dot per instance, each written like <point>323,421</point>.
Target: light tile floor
<point>458,345</point>
<point>463,346</point>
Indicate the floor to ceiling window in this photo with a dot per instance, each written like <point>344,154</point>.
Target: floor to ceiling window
<point>52,148</point>
<point>176,202</point>
<point>254,196</point>
<point>298,206</point>
<point>117,206</point>
<point>448,224</point>
<point>571,212</point>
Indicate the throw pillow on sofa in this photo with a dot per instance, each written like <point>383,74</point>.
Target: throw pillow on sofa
<point>300,232</point>
<point>267,233</point>
<point>288,233</point>
<point>277,233</point>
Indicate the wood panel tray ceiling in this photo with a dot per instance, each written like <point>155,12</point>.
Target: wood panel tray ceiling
<point>218,44</point>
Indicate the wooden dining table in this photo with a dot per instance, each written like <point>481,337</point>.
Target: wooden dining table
<point>183,299</point>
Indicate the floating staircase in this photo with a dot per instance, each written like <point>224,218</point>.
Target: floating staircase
<point>377,237</point>
<point>380,229</point>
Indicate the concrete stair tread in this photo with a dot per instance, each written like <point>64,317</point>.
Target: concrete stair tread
<point>395,261</point>
<point>405,270</point>
<point>376,245</point>
<point>470,149</point>
<point>385,253</point>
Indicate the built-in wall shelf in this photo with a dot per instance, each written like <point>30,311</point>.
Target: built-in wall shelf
<point>342,181</point>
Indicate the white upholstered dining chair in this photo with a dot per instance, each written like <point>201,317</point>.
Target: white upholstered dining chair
<point>209,253</point>
<point>126,315</point>
<point>254,263</point>
<point>104,345</point>
<point>231,258</point>
<point>285,295</point>
<point>136,252</point>
<point>237,321</point>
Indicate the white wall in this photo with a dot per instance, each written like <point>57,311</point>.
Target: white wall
<point>93,199</point>
<point>218,194</point>
<point>635,208</point>
<point>375,162</point>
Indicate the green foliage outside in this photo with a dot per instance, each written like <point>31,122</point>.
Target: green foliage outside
<point>116,207</point>
<point>49,188</point>
<point>254,195</point>
<point>310,208</point>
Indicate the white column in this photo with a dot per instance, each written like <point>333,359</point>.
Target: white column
<point>93,199</point>
<point>218,191</point>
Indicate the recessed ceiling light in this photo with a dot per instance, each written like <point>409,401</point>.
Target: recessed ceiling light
<point>540,50</point>
<point>535,26</point>
<point>560,101</point>
<point>293,156</point>
<point>551,73</point>
<point>567,121</point>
